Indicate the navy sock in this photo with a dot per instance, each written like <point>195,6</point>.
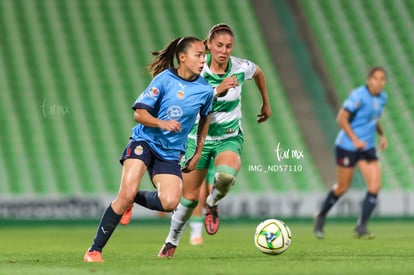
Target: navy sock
<point>327,204</point>
<point>368,205</point>
<point>107,225</point>
<point>149,199</point>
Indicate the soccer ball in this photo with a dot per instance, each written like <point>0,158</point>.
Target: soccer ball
<point>272,237</point>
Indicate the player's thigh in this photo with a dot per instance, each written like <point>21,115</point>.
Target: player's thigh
<point>132,172</point>
<point>372,174</point>
<point>169,189</point>
<point>135,160</point>
<point>228,152</point>
<point>228,158</point>
<point>343,179</point>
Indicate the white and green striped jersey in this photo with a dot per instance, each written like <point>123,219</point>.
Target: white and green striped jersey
<point>226,115</point>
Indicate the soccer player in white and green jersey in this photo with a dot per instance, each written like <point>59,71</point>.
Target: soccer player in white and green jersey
<point>224,141</point>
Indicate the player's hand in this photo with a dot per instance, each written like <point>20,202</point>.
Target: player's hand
<point>265,113</point>
<point>170,125</point>
<point>359,144</point>
<point>383,143</point>
<point>191,163</point>
<point>225,85</point>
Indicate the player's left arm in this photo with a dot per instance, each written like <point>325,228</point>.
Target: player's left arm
<point>265,111</point>
<point>383,139</point>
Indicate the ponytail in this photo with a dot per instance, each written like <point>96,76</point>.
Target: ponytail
<point>164,59</point>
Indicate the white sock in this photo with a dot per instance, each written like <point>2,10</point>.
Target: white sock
<point>179,221</point>
<point>196,229</point>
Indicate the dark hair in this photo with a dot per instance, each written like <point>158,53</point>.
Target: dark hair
<point>372,70</point>
<point>164,59</point>
<point>217,29</point>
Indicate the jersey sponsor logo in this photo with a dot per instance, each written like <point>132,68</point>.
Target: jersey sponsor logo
<point>174,112</point>
<point>138,150</point>
<point>154,91</point>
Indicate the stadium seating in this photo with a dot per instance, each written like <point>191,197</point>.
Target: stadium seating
<point>70,70</point>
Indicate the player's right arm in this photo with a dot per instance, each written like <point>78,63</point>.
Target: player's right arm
<point>145,118</point>
<point>146,102</point>
<point>343,122</point>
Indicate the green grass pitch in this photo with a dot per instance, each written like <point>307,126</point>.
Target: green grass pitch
<point>56,249</point>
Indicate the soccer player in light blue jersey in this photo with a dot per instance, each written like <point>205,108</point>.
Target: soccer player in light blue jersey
<point>359,120</point>
<point>166,112</point>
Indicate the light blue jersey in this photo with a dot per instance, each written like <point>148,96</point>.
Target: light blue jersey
<point>365,110</point>
<point>170,97</point>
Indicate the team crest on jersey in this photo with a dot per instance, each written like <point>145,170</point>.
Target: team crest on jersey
<point>174,112</point>
<point>180,94</point>
<point>154,91</point>
<point>345,161</point>
<point>138,150</point>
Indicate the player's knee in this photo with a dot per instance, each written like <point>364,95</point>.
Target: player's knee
<point>340,189</point>
<point>191,194</point>
<point>169,203</point>
<point>121,204</point>
<point>189,203</point>
<point>374,188</point>
<point>224,181</point>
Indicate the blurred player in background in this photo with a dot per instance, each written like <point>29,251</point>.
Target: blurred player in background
<point>224,140</point>
<point>166,112</point>
<point>355,146</point>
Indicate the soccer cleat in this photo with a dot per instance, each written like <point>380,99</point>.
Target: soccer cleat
<point>167,251</point>
<point>211,221</point>
<point>361,232</point>
<point>319,222</point>
<point>196,241</point>
<point>93,257</point>
<point>126,217</point>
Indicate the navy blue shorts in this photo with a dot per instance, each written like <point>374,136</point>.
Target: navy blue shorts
<point>347,158</point>
<point>155,164</point>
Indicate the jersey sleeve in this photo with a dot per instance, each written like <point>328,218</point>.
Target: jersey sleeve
<point>150,96</point>
<point>208,106</point>
<point>352,103</point>
<point>249,68</point>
